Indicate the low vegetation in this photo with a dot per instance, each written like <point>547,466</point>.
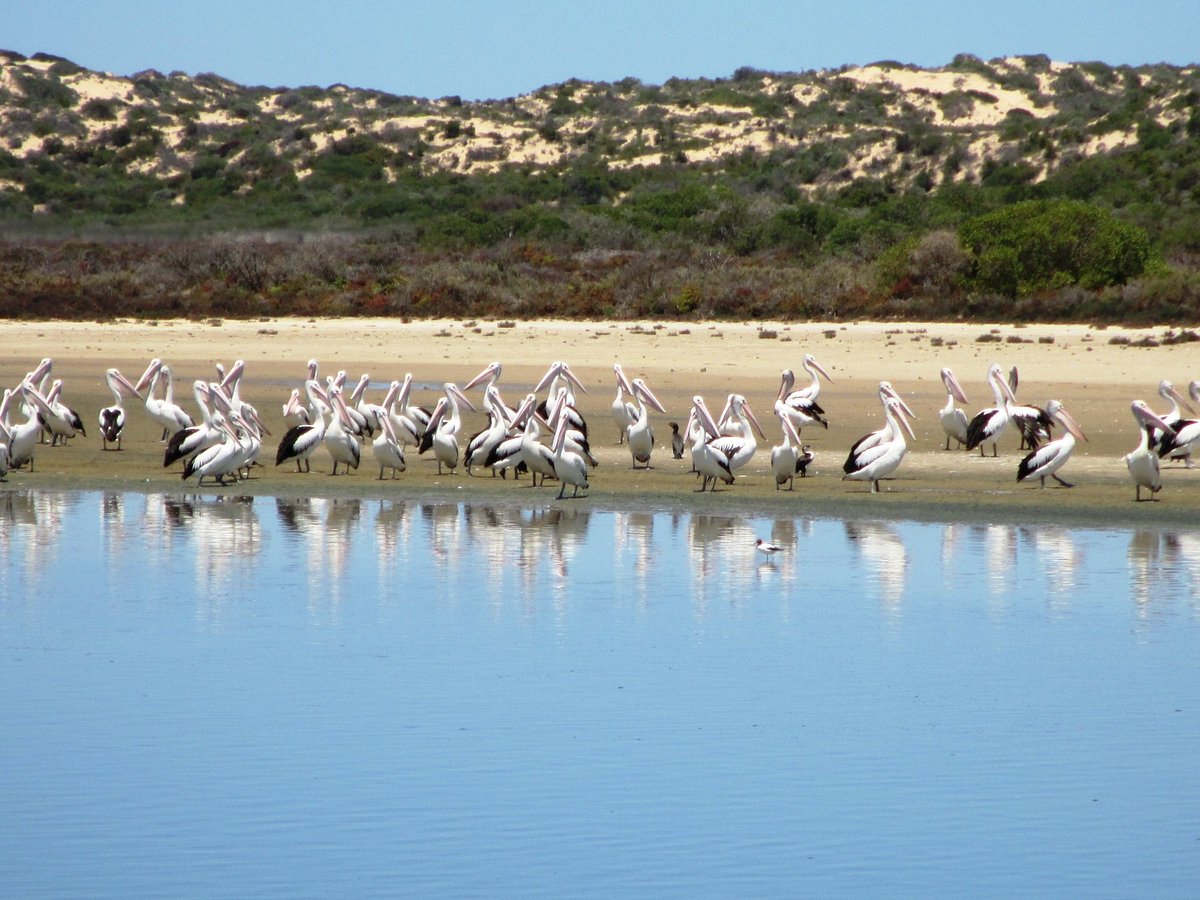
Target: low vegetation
<point>1017,189</point>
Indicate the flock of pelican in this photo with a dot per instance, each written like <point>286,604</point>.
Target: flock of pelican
<point>546,435</point>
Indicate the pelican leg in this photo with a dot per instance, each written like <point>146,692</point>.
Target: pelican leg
<point>874,487</point>
<point>1063,483</point>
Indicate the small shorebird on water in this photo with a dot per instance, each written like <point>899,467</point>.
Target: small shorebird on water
<point>766,549</point>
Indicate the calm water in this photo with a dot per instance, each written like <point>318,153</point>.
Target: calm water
<point>343,698</point>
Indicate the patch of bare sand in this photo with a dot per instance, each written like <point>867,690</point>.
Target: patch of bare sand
<point>1074,363</point>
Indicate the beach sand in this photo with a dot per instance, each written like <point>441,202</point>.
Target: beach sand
<point>1076,364</point>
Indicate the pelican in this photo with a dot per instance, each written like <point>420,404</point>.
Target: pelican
<point>625,413</point>
<point>294,412</point>
<point>569,467</point>
<point>1046,460</point>
<point>443,435</point>
<point>1143,461</point>
<point>1177,446</point>
<point>710,464</point>
<point>219,460</point>
<point>559,375</point>
<point>65,423</point>
<point>5,438</point>
<point>386,449</point>
<point>165,412</point>
<point>481,443</point>
<point>24,435</point>
<point>575,439</point>
<point>812,367</point>
<point>883,459</point>
<point>989,424</point>
<point>738,450</point>
<point>1183,443</point>
<point>870,441</point>
<point>507,454</point>
<point>639,435</point>
<point>340,440</point>
<point>953,419</point>
<point>786,457</point>
<point>796,405</point>
<point>190,441</point>
<point>301,440</point>
<point>537,457</point>
<point>112,418</point>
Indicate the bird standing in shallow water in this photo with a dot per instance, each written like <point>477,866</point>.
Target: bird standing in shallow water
<point>766,549</point>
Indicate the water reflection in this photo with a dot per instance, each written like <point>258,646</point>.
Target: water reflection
<point>886,556</point>
<point>519,559</point>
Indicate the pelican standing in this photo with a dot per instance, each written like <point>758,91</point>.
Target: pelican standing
<point>624,413</point>
<point>190,441</point>
<point>953,419</point>
<point>1045,461</point>
<point>639,435</point>
<point>989,424</point>
<point>882,435</point>
<point>386,448</point>
<point>219,460</point>
<point>1143,461</point>
<point>883,459</point>
<point>301,440</point>
<point>739,449</point>
<point>340,439</point>
<point>112,418</point>
<point>166,412</point>
<point>785,458</point>
<point>798,406</point>
<point>710,464</point>
<point>569,466</point>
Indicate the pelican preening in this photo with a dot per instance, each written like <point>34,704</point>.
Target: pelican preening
<point>1142,462</point>
<point>112,418</point>
<point>1045,461</point>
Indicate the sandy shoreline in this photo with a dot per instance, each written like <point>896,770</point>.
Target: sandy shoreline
<point>1074,363</point>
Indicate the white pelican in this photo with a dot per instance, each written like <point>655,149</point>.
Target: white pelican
<point>707,462</point>
<point>190,441</point>
<point>559,375</point>
<point>294,412</point>
<point>386,448</point>
<point>1045,461</point>
<point>5,437</point>
<point>569,467</point>
<point>536,456</point>
<point>953,419</point>
<point>738,449</point>
<point>575,440</point>
<point>801,406</point>
<point>480,446</point>
<point>989,424</point>
<point>1183,443</point>
<point>219,460</point>
<point>785,458</point>
<point>883,459</point>
<point>882,435</point>
<point>340,440</point>
<point>301,440</point>
<point>639,435</point>
<point>112,418</point>
<point>57,418</point>
<point>507,454</point>
<point>24,435</point>
<point>624,413</point>
<point>1143,461</point>
<point>812,367</point>
<point>166,412</point>
<point>444,434</point>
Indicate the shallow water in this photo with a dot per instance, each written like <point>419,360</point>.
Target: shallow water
<point>232,698</point>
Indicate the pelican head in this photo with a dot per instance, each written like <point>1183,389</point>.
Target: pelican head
<point>953,386</point>
<point>810,363</point>
<point>1058,412</point>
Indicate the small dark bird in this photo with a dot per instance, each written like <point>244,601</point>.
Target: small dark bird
<point>676,441</point>
<point>804,460</point>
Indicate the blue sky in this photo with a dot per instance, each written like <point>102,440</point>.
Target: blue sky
<point>481,50</point>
